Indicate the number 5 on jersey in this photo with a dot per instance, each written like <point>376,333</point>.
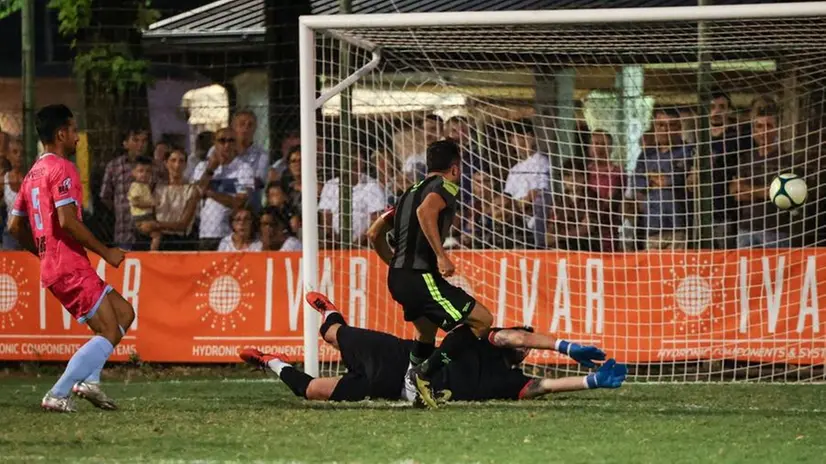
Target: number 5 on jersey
<point>38,222</point>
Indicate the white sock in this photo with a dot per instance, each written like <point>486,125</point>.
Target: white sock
<point>276,365</point>
<point>325,314</point>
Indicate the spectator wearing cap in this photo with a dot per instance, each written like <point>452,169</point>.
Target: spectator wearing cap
<point>226,182</point>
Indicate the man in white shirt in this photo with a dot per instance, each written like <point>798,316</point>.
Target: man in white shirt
<point>415,166</point>
<point>226,182</point>
<point>244,125</point>
<point>530,176</point>
<point>368,201</point>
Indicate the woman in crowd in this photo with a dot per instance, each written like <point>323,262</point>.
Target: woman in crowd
<point>177,205</point>
<point>242,237</point>
<point>291,180</point>
<point>11,185</point>
<point>275,234</point>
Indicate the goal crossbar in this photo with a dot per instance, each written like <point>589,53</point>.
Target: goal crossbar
<point>538,17</point>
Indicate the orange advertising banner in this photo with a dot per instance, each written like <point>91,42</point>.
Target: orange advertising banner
<point>640,308</point>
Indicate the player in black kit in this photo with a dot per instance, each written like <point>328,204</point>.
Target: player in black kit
<point>377,363</point>
<point>419,264</point>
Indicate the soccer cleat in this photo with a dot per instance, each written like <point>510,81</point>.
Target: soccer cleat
<point>422,388</point>
<point>443,396</point>
<point>57,404</point>
<point>257,358</point>
<point>320,302</point>
<point>92,393</point>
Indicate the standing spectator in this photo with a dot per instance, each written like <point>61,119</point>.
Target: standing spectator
<point>527,178</point>
<point>532,173</point>
<point>11,185</point>
<point>368,201</point>
<point>457,129</point>
<point>727,143</point>
<point>415,166</point>
<point>573,220</point>
<point>226,182</point>
<point>159,153</point>
<point>142,202</point>
<point>281,165</point>
<point>291,180</point>
<point>243,233</point>
<point>4,143</point>
<point>760,223</point>
<point>606,181</point>
<point>203,142</point>
<point>116,181</point>
<point>177,203</point>
<point>388,175</point>
<point>659,180</point>
<point>487,224</point>
<point>275,234</point>
<point>244,124</point>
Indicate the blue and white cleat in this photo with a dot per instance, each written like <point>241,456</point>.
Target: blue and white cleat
<point>57,404</point>
<point>92,393</point>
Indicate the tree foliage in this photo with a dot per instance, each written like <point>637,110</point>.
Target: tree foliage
<point>112,65</point>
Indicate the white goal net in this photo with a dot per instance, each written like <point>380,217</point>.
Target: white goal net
<point>616,171</point>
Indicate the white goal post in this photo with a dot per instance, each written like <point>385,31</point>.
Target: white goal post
<point>369,83</point>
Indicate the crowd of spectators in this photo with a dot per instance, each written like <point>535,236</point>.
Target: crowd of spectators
<point>229,194</point>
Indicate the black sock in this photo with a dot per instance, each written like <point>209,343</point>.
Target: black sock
<point>421,351</point>
<point>452,346</point>
<point>296,380</point>
<point>333,318</point>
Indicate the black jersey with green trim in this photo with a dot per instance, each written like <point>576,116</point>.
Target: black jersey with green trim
<point>413,251</point>
<point>481,372</point>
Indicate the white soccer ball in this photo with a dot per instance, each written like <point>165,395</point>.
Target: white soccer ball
<point>788,191</point>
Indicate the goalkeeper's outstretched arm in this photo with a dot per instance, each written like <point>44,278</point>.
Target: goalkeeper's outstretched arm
<point>523,338</point>
<point>609,375</point>
<point>377,234</point>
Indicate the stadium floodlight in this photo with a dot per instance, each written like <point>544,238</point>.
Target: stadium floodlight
<point>370,83</point>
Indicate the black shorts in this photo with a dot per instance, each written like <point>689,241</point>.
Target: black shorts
<point>430,296</point>
<point>376,364</point>
<point>482,373</point>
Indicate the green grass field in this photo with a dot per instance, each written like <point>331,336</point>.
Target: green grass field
<point>237,416</point>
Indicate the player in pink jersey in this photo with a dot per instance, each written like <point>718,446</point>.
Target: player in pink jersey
<point>50,198</point>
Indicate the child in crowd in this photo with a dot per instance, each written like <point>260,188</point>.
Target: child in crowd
<point>142,203</point>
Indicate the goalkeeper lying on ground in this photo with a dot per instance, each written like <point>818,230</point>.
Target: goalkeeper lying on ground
<point>377,363</point>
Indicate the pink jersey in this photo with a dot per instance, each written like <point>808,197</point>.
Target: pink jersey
<point>52,182</point>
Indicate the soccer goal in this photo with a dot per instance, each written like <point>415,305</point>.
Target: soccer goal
<point>616,168</point>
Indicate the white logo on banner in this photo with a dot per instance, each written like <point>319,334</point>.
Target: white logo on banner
<point>12,296</point>
<point>224,291</point>
<point>698,294</point>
